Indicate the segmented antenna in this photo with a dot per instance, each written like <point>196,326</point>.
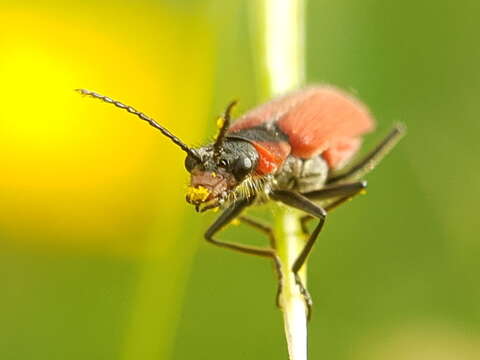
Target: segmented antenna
<point>217,146</point>
<point>144,117</point>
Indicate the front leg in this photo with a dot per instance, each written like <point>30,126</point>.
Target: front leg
<point>227,217</point>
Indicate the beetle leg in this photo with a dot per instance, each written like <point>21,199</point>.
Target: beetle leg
<point>224,219</point>
<point>343,200</point>
<point>230,214</point>
<point>373,158</point>
<point>337,190</point>
<point>345,192</point>
<point>267,230</point>
<point>300,202</point>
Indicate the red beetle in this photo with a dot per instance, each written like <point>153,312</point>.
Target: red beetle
<point>288,150</point>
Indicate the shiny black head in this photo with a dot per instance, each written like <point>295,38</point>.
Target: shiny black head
<point>217,174</point>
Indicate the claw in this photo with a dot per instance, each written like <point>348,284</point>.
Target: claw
<point>278,296</point>
<point>305,294</point>
<point>278,268</point>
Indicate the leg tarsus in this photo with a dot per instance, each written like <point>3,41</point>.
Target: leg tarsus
<point>278,267</point>
<point>306,295</point>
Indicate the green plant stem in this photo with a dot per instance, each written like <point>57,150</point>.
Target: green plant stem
<point>281,25</point>
<point>290,242</point>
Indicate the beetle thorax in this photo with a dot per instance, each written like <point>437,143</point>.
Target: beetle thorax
<point>302,175</point>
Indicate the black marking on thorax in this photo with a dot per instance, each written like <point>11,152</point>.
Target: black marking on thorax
<point>267,132</point>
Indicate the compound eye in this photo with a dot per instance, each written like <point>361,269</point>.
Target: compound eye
<point>242,167</point>
<point>190,163</point>
<point>224,163</point>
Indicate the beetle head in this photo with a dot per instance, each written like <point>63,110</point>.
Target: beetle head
<point>216,176</point>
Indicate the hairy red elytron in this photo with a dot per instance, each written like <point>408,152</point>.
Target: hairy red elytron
<point>290,150</point>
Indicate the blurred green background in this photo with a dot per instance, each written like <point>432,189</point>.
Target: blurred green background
<point>100,256</point>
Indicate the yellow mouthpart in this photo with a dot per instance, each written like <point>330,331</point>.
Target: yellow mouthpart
<point>199,193</point>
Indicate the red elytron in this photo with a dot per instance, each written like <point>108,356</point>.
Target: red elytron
<point>288,150</point>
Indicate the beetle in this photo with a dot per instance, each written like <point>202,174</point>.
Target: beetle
<point>290,150</point>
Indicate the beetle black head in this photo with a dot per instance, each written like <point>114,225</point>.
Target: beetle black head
<point>217,175</point>
<point>220,168</point>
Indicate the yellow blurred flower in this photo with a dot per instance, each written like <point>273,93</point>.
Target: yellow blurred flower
<point>76,169</point>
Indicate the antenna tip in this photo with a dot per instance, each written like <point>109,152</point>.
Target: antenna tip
<point>232,104</point>
<point>82,91</point>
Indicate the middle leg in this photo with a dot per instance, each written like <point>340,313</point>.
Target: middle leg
<point>267,230</point>
<point>343,193</point>
<point>227,217</point>
<point>300,202</point>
